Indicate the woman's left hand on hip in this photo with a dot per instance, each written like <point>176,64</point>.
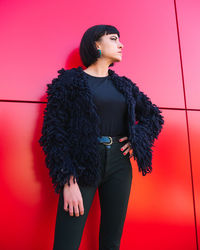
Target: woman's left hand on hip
<point>127,147</point>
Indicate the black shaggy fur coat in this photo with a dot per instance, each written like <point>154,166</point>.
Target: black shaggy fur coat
<point>71,127</point>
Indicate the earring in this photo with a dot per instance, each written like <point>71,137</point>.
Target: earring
<point>99,52</point>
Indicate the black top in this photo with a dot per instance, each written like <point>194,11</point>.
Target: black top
<point>111,106</point>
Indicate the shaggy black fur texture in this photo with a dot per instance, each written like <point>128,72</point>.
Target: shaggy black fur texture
<point>71,127</point>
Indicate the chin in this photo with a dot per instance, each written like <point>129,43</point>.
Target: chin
<point>118,59</point>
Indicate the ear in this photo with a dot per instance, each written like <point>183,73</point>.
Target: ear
<point>96,44</point>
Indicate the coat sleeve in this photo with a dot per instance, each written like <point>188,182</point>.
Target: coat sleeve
<point>149,125</point>
<point>54,134</point>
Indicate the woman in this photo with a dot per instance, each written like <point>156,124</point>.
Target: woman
<point>92,120</point>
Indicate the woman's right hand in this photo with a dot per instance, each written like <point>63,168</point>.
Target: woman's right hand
<point>72,197</point>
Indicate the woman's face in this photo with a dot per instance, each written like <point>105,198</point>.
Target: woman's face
<point>111,47</point>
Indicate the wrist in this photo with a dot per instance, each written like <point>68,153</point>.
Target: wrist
<point>70,181</point>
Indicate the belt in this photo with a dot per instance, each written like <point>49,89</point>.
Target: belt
<point>109,140</point>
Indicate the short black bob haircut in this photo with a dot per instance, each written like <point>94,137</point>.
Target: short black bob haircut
<point>88,51</point>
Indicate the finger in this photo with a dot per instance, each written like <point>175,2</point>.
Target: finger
<point>127,145</point>
<point>71,208</point>
<point>81,207</point>
<point>76,208</point>
<point>66,206</point>
<point>126,151</point>
<point>123,138</point>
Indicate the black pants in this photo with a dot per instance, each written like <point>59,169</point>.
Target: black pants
<point>114,191</point>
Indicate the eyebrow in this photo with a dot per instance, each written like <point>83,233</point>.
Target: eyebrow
<point>115,36</point>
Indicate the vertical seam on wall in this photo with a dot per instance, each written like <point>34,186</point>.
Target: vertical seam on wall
<point>187,123</point>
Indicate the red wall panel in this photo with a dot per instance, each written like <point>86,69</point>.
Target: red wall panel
<point>39,37</point>
<point>194,132</point>
<point>160,204</point>
<point>188,13</point>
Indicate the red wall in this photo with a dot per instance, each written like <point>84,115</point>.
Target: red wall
<point>161,54</point>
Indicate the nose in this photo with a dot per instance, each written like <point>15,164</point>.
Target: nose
<point>121,45</point>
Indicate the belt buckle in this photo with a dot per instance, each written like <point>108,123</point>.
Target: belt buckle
<point>108,143</point>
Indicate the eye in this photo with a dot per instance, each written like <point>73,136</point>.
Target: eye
<point>114,38</point>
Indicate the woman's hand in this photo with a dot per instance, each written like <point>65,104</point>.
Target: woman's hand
<point>72,197</point>
<point>127,145</point>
